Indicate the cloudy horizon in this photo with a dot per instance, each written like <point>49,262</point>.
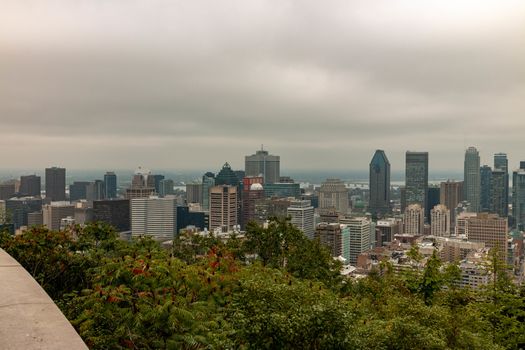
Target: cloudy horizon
<point>192,84</point>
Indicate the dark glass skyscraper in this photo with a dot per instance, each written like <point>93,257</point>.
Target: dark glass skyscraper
<point>56,184</point>
<point>110,185</point>
<point>416,179</point>
<point>498,201</point>
<point>502,163</point>
<point>227,176</point>
<point>472,179</point>
<point>30,185</point>
<point>379,180</point>
<point>486,188</point>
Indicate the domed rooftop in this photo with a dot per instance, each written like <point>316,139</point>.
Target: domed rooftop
<point>256,187</point>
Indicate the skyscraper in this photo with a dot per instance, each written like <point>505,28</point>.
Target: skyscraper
<point>413,220</point>
<point>498,192</point>
<point>486,188</point>
<point>154,216</point>
<point>156,182</point>
<point>166,187</point>
<point>193,193</point>
<point>208,181</point>
<point>56,211</point>
<point>226,176</point>
<point>360,236</point>
<point>416,179</point>
<point>331,236</point>
<point>142,184</point>
<point>55,184</point>
<point>451,194</point>
<point>518,196</point>
<point>302,216</point>
<point>223,207</point>
<point>115,212</point>
<point>433,197</point>
<point>110,185</point>
<point>30,185</point>
<point>379,181</point>
<point>440,222</point>
<point>252,192</point>
<point>490,229</point>
<point>263,163</point>
<point>472,179</point>
<point>333,194</point>
<point>501,163</point>
<point>78,190</point>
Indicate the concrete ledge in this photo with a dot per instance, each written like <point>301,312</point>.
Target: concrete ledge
<point>29,319</point>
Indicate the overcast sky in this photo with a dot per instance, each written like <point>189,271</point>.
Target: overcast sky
<point>191,84</point>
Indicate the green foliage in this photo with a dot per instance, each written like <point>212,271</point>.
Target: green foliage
<point>274,290</point>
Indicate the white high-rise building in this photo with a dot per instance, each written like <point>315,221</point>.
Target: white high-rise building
<point>440,221</point>
<point>154,216</point>
<point>361,230</point>
<point>302,214</point>
<point>414,220</point>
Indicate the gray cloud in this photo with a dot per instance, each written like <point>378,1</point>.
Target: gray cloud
<point>175,84</point>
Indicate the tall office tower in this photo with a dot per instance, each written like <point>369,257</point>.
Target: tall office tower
<point>208,181</point>
<point>416,179</point>
<point>331,236</point>
<point>56,211</point>
<point>156,182</point>
<point>166,187</point>
<point>110,185</point>
<point>252,192</point>
<point>501,163</point>
<point>472,179</point>
<point>142,184</point>
<point>193,192</point>
<point>95,190</point>
<point>19,208</point>
<point>490,229</point>
<point>78,190</point>
<point>498,192</point>
<point>263,163</point>
<point>223,207</point>
<point>154,216</point>
<point>433,196</point>
<point>115,212</point>
<point>334,194</point>
<point>226,176</point>
<point>55,184</point>
<point>361,230</point>
<point>385,231</point>
<point>7,190</point>
<point>379,181</point>
<point>414,220</point>
<point>518,196</point>
<point>302,214</point>
<point>30,185</point>
<point>451,194</point>
<point>486,188</point>
<point>440,224</point>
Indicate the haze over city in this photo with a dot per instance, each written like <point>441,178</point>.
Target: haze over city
<point>189,85</point>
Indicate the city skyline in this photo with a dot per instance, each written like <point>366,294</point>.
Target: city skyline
<point>328,84</point>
